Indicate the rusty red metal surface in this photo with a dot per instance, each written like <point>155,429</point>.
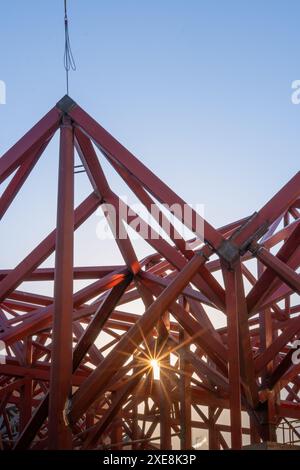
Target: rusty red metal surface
<point>78,371</point>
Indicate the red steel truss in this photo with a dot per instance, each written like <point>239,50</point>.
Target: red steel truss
<point>79,369</point>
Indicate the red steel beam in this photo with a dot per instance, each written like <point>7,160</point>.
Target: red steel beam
<point>231,285</point>
<point>34,138</point>
<point>18,179</point>
<point>59,436</point>
<point>79,272</point>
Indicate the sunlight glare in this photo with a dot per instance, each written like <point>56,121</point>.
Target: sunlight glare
<point>156,369</point>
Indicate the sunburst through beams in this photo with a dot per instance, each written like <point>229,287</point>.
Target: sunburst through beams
<point>154,363</point>
<point>149,362</point>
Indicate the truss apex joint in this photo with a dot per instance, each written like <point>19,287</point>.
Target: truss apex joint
<point>66,104</point>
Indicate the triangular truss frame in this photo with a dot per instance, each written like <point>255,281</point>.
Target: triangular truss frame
<point>59,389</point>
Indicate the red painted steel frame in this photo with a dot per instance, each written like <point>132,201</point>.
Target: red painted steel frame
<point>78,371</point>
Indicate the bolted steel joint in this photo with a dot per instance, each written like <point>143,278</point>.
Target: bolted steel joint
<point>229,252</point>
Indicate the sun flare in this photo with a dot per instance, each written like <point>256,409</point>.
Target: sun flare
<point>156,368</point>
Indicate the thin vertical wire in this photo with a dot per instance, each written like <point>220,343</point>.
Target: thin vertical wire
<point>69,62</point>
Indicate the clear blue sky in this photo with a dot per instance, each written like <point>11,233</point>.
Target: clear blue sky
<point>199,90</point>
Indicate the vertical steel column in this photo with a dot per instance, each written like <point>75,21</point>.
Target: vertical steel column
<point>185,392</point>
<point>165,397</point>
<point>266,339</point>
<point>234,358</point>
<point>61,357</point>
<point>254,436</point>
<point>26,390</point>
